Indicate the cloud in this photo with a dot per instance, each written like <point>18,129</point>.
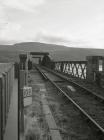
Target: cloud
<point>26,5</point>
<point>10,31</point>
<point>3,19</point>
<point>62,22</point>
<point>53,38</point>
<point>50,38</point>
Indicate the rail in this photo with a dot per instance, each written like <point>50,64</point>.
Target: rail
<point>88,117</point>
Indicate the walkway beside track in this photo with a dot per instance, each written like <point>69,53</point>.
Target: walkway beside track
<point>11,131</point>
<point>40,111</point>
<point>55,134</point>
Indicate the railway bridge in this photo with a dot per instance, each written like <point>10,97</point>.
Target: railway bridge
<point>42,99</point>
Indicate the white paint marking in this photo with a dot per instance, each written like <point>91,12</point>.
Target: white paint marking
<point>42,89</point>
<point>71,88</point>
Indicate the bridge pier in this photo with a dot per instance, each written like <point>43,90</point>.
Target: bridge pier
<point>95,66</point>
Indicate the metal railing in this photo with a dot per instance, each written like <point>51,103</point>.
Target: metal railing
<point>74,68</point>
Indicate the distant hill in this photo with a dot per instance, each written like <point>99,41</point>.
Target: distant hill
<point>57,52</point>
<point>60,52</point>
<point>74,54</point>
<point>37,46</point>
<point>9,56</point>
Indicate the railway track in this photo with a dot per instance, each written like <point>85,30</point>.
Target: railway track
<point>96,93</point>
<point>88,103</point>
<point>91,86</point>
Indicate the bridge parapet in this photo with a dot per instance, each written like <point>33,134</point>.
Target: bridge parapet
<point>6,87</point>
<point>91,70</point>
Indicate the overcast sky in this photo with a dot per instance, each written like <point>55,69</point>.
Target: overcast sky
<point>77,23</point>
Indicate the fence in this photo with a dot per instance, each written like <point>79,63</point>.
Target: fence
<point>6,87</point>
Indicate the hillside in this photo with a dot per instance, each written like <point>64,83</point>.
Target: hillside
<point>9,56</point>
<point>74,54</point>
<point>37,46</point>
<point>57,52</point>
